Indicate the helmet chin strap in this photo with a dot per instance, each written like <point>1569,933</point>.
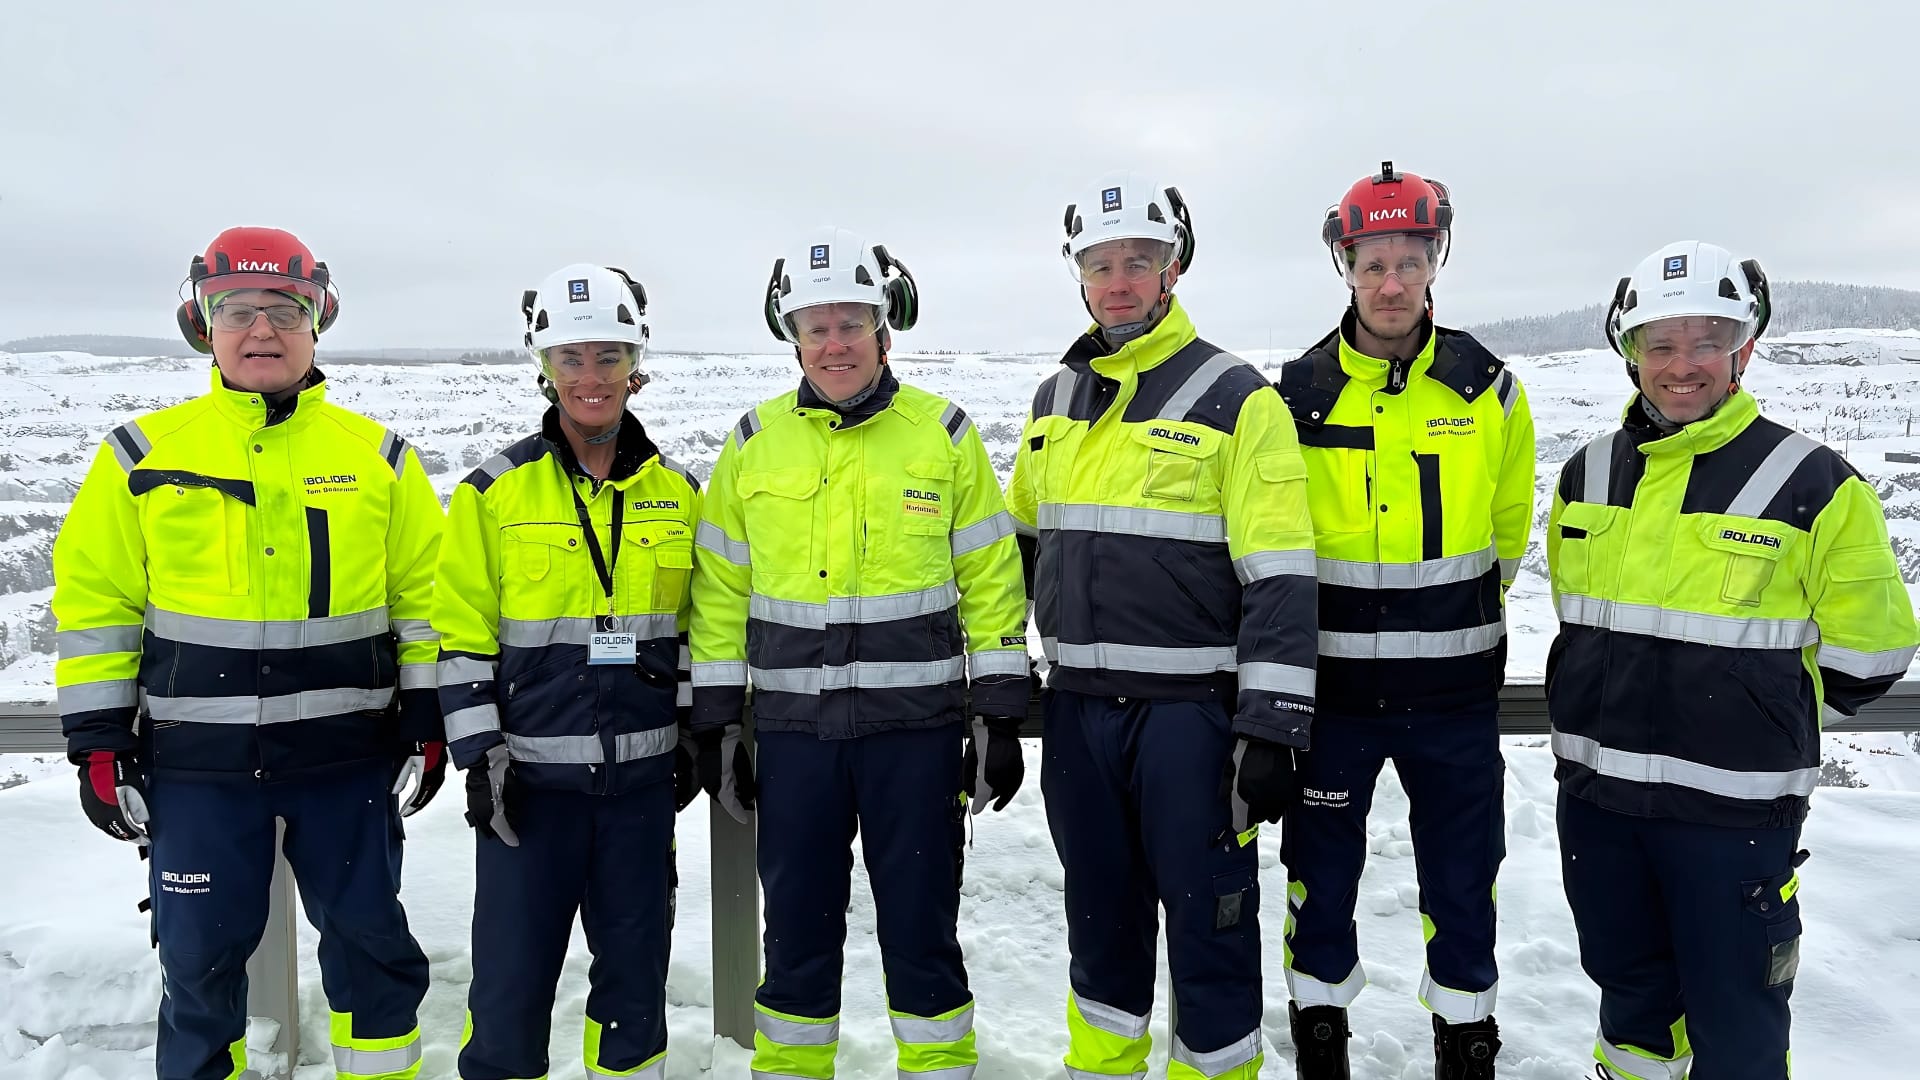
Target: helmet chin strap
<point>1117,336</point>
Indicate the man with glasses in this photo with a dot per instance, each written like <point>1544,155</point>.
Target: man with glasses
<point>1419,448</point>
<point>1161,503</point>
<point>856,562</point>
<point>243,588</point>
<point>1724,584</point>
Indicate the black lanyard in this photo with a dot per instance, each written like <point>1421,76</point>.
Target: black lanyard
<point>602,564</point>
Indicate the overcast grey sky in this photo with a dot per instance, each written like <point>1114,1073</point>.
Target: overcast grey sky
<point>443,156</point>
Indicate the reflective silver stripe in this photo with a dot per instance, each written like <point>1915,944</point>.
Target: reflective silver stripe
<point>1160,660</point>
<point>1509,391</point>
<point>268,634</point>
<point>538,633</point>
<point>1021,528</point>
<point>495,466</point>
<point>748,427</point>
<point>1831,715</point>
<point>1064,382</point>
<point>795,1033</point>
<point>861,674</point>
<point>1457,1006</point>
<point>997,662</point>
<point>348,1061</point>
<point>686,657</point>
<point>920,1030</point>
<point>685,474</point>
<point>953,413</point>
<point>1864,665</point>
<point>281,709</point>
<point>394,449</point>
<point>1050,648</point>
<point>105,694</point>
<point>715,539</point>
<point>556,749</point>
<point>1308,990</point>
<point>1266,564</point>
<point>1509,569</point>
<point>1661,769</point>
<point>955,1072</point>
<point>1107,1018</point>
<point>465,669</point>
<point>1198,383</point>
<point>719,673</point>
<point>421,676</point>
<point>1620,1060</point>
<point>129,432</point>
<point>683,694</point>
<point>405,630</point>
<point>635,745</point>
<point>98,641</point>
<point>1411,644</point>
<point>1416,575</point>
<point>1277,678</point>
<point>1728,630</point>
<point>1766,481</point>
<point>1599,470</point>
<point>843,610</point>
<point>655,1071</point>
<point>981,533</point>
<point>1219,1062</point>
<point>1134,521</point>
<point>473,720</point>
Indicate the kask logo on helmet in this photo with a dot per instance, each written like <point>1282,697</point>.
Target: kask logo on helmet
<point>257,266</point>
<point>1393,213</point>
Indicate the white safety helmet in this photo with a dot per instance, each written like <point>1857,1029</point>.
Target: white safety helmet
<point>1125,206</point>
<point>1690,278</point>
<point>836,266</point>
<point>584,302</point>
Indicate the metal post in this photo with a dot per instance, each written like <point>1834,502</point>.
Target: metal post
<point>273,971</point>
<point>736,919</point>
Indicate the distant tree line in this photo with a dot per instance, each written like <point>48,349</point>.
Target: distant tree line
<point>1798,305</point>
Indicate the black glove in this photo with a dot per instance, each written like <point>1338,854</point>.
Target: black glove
<point>1259,784</point>
<point>686,774</point>
<point>425,763</point>
<point>995,776</point>
<point>114,795</point>
<point>493,797</point>
<point>726,770</point>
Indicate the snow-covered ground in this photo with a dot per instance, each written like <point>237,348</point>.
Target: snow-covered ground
<point>78,983</point>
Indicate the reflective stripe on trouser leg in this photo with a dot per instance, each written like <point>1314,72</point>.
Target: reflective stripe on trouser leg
<point>1324,847</point>
<point>1238,1060</point>
<point>793,1047</point>
<point>1633,1063</point>
<point>626,922</point>
<point>935,1047</point>
<point>396,1058</point>
<point>1454,775</point>
<point>1103,1040</point>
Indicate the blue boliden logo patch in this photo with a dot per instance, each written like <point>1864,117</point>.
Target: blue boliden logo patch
<point>817,258</point>
<point>1676,268</point>
<point>577,291</point>
<point>1109,200</point>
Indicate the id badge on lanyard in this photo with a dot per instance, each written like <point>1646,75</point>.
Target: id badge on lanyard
<point>608,644</point>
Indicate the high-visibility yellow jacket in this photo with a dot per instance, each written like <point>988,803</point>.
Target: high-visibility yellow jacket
<point>1163,492</point>
<point>519,597</point>
<point>1721,591</point>
<point>253,576</point>
<point>859,566</point>
<point>1420,474</point>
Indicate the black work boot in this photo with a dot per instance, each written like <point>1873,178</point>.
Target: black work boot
<point>1465,1051</point>
<point>1320,1035</point>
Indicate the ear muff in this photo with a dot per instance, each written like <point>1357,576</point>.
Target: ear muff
<point>1623,300</point>
<point>777,287</point>
<point>903,296</point>
<point>1185,218</point>
<point>527,300</point>
<point>193,327</point>
<point>1762,294</point>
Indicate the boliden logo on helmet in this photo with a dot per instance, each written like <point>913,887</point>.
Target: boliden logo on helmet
<point>1390,214</point>
<point>257,266</point>
<point>1109,200</point>
<point>817,259</point>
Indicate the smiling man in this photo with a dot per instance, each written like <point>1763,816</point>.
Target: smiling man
<point>243,589</point>
<point>1724,584</point>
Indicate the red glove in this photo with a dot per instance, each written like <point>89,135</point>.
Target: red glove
<point>114,795</point>
<point>428,766</point>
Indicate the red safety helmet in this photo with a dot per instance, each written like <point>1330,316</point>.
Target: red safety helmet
<point>251,257</point>
<point>1389,203</point>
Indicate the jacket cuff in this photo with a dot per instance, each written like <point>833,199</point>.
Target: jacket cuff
<point>420,716</point>
<point>1276,718</point>
<point>1000,696</point>
<point>714,707</point>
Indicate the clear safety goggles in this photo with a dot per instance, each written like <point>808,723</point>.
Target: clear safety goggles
<point>1699,340</point>
<point>1132,259</point>
<point>1408,257</point>
<point>234,315</point>
<point>845,324</point>
<point>607,362</point>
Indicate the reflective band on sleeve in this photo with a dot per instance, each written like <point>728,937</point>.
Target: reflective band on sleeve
<point>1277,678</point>
<point>475,720</point>
<point>719,673</point>
<point>981,534</point>
<point>92,696</point>
<point>405,630</point>
<point>455,670</point>
<point>1260,565</point>
<point>997,662</point>
<point>715,539</point>
<point>97,641</point>
<point>1864,665</point>
<point>421,676</point>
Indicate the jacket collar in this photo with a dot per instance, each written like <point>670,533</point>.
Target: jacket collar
<point>255,410</point>
<point>873,405</point>
<point>1151,349</point>
<point>632,448</point>
<point>1702,436</point>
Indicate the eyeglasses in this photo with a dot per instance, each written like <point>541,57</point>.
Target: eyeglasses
<point>241,316</point>
<point>570,366</point>
<point>1134,261</point>
<point>1370,269</point>
<point>842,324</point>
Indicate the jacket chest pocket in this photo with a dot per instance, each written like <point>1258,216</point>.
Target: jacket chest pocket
<point>779,507</point>
<point>1053,445</point>
<point>535,574</point>
<point>196,540</point>
<point>1742,555</point>
<point>656,562</point>
<point>1585,549</point>
<point>1181,462</point>
<point>1339,492</point>
<point>910,521</point>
